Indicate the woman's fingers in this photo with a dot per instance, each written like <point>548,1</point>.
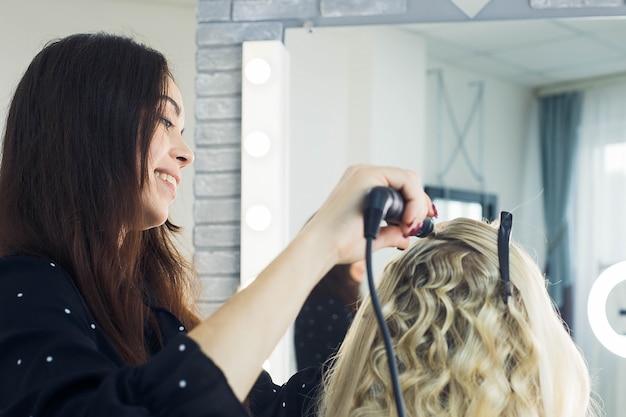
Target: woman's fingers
<point>341,216</point>
<point>417,203</point>
<point>389,236</point>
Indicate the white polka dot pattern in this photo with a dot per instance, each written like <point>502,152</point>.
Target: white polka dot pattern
<point>73,344</point>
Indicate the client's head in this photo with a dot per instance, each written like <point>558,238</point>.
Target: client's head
<point>461,350</point>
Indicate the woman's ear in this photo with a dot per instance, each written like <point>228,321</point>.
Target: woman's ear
<point>357,271</point>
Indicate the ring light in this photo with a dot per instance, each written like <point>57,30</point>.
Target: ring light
<point>596,309</point>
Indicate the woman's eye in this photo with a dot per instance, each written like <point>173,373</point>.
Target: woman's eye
<point>166,122</point>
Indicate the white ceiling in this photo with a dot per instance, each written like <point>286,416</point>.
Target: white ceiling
<point>532,52</point>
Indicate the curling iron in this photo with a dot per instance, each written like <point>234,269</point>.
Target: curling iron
<point>385,203</point>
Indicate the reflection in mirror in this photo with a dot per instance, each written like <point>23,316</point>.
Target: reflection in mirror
<point>370,95</point>
<point>462,203</point>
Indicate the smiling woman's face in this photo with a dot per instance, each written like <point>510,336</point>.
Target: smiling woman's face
<point>168,155</point>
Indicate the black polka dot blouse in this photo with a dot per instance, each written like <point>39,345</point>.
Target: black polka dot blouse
<point>319,330</point>
<point>55,361</point>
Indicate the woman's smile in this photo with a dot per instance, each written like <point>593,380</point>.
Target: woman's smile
<point>169,181</point>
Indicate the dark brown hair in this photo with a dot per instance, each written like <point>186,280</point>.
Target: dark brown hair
<point>338,283</point>
<point>82,117</point>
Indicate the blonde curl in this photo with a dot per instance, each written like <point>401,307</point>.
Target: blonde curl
<point>461,350</point>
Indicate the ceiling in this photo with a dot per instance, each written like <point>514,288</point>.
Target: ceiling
<point>531,52</point>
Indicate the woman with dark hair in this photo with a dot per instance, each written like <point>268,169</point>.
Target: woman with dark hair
<point>97,314</point>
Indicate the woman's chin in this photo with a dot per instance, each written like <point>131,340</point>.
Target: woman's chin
<point>155,221</point>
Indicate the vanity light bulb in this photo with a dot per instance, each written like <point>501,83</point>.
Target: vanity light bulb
<point>258,217</point>
<point>257,144</point>
<point>258,71</point>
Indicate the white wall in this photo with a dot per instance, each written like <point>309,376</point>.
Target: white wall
<point>356,97</point>
<point>27,25</point>
<point>364,95</point>
<point>508,137</point>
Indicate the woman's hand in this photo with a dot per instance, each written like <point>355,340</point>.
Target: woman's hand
<point>241,334</point>
<point>340,218</point>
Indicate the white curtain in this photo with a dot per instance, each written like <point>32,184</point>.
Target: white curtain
<point>599,231</point>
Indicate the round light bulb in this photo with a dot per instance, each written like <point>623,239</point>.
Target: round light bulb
<point>596,309</point>
<point>257,144</point>
<point>258,217</point>
<point>258,71</point>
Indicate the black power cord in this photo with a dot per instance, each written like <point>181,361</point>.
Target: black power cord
<point>384,203</point>
<point>391,357</point>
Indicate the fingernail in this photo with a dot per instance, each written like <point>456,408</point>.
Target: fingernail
<point>436,215</point>
<point>414,231</point>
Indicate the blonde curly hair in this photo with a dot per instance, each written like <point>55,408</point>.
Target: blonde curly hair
<point>460,350</point>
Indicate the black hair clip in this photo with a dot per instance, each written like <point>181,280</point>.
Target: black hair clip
<point>504,243</point>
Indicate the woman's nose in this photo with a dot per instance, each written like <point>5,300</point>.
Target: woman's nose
<point>184,155</point>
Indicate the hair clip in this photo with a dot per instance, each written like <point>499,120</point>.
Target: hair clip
<point>504,243</point>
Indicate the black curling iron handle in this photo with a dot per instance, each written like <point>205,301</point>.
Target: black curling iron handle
<point>388,201</point>
<point>385,203</point>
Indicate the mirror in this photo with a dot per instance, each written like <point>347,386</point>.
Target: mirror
<point>375,95</point>
<point>389,94</point>
<point>457,102</point>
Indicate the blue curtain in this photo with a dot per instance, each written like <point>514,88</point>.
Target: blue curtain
<point>559,118</point>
